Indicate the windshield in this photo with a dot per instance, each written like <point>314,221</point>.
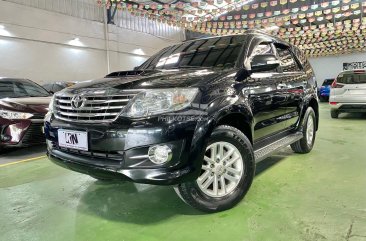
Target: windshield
<point>17,88</point>
<point>213,52</point>
<point>352,78</point>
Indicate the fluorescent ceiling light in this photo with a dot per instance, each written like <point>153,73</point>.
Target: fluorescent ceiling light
<point>76,42</point>
<point>138,51</point>
<point>4,32</point>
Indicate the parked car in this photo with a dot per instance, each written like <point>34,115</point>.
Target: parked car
<point>58,86</point>
<point>198,115</point>
<point>348,92</point>
<point>23,105</point>
<point>324,90</point>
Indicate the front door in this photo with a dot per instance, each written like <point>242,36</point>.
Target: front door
<point>268,102</point>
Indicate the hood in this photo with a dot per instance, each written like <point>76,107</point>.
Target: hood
<point>155,79</point>
<point>29,105</point>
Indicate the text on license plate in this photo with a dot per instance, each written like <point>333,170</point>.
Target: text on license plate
<point>73,139</point>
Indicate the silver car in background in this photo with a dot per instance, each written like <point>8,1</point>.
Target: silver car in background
<point>348,92</point>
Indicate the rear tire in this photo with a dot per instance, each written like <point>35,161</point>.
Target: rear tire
<point>230,176</point>
<point>305,144</point>
<point>334,114</point>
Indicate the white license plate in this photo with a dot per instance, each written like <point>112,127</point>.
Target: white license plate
<point>73,139</point>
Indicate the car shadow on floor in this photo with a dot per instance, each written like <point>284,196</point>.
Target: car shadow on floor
<point>16,151</point>
<point>352,116</point>
<point>143,204</point>
<point>8,155</point>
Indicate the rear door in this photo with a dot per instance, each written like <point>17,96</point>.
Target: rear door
<point>292,85</point>
<point>349,87</point>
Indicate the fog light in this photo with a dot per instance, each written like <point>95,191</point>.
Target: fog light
<point>5,138</point>
<point>160,154</point>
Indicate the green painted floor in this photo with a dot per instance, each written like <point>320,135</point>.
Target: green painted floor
<point>318,196</point>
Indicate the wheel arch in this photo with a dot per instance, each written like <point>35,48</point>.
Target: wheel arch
<point>239,121</point>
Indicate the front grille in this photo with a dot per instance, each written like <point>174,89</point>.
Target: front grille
<point>34,135</point>
<point>95,108</point>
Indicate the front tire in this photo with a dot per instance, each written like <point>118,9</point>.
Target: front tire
<point>305,144</point>
<point>227,172</point>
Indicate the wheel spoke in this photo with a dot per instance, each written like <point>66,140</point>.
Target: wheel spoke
<point>213,154</point>
<point>230,178</point>
<point>223,186</point>
<point>210,179</point>
<point>207,159</point>
<point>221,151</point>
<point>215,185</point>
<point>204,177</point>
<point>229,153</point>
<point>233,171</point>
<point>232,161</point>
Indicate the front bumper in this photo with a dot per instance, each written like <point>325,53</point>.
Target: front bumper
<point>159,176</point>
<point>20,133</point>
<point>119,150</point>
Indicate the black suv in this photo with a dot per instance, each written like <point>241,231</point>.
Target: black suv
<point>198,115</point>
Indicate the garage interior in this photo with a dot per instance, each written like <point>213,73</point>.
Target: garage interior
<point>317,196</point>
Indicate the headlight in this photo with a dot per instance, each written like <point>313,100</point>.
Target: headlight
<point>51,105</point>
<point>152,102</point>
<point>14,115</point>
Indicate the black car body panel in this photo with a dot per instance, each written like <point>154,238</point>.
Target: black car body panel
<point>262,105</point>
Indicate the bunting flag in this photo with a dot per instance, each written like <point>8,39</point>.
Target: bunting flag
<point>319,29</point>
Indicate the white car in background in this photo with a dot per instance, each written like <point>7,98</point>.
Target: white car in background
<point>348,92</point>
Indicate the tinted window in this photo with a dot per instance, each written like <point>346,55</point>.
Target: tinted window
<point>12,88</point>
<point>213,52</point>
<point>287,60</point>
<point>352,78</point>
<point>328,82</point>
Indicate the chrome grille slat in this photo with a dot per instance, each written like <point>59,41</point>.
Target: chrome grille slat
<point>92,108</point>
<point>87,114</point>
<point>96,108</point>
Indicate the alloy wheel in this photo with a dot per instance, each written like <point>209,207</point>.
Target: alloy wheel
<point>310,130</point>
<point>222,169</point>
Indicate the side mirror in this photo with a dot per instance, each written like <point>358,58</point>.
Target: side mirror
<point>264,62</point>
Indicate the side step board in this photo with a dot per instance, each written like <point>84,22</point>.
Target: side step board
<point>267,151</point>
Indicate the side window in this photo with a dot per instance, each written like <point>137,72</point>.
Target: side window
<point>287,61</point>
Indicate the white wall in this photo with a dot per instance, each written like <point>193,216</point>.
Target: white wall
<point>34,44</point>
<point>330,66</point>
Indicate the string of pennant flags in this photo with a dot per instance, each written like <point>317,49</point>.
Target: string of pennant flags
<point>188,12</point>
<point>330,27</point>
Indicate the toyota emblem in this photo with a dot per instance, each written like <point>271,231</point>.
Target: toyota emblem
<point>77,102</point>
